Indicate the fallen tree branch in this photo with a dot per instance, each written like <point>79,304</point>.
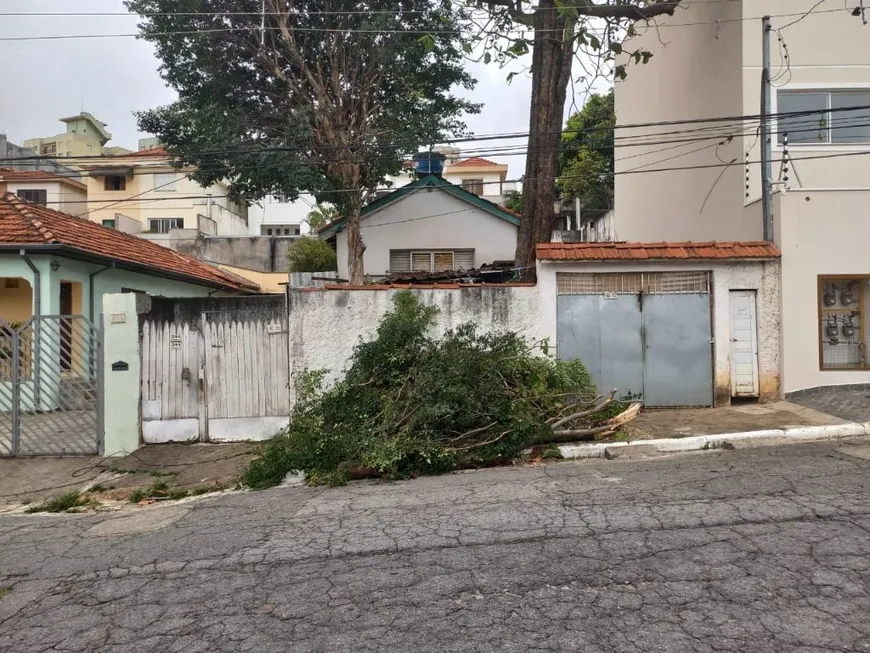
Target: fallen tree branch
<point>585,413</point>
<point>567,435</point>
<point>473,432</point>
<point>481,444</point>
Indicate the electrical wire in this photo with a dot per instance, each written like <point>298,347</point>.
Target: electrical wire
<point>456,32</point>
<point>712,121</point>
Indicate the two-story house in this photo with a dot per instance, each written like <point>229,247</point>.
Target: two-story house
<point>143,194</point>
<point>707,64</point>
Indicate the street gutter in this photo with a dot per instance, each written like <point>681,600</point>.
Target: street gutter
<point>700,442</point>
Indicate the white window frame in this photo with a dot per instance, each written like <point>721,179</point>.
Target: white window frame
<point>816,88</point>
<point>161,178</point>
<point>161,221</point>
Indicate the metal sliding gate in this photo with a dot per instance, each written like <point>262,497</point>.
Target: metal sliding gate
<point>647,334</point>
<point>50,387</point>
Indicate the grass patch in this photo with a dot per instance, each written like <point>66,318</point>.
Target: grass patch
<point>4,591</point>
<point>552,452</point>
<point>68,502</point>
<point>160,489</point>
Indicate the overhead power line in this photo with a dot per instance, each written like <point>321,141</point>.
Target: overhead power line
<point>117,159</point>
<point>260,28</point>
<point>633,171</point>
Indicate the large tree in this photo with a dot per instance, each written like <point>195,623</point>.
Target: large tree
<point>586,157</point>
<point>319,96</point>
<point>560,30</point>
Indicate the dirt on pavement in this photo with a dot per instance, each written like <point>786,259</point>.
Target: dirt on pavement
<point>178,465</point>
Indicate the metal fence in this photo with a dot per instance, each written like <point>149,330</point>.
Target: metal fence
<point>50,386</point>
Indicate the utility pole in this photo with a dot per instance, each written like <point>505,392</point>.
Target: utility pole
<point>766,143</point>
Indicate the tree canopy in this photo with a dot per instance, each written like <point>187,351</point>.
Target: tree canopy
<point>310,254</point>
<point>586,157</point>
<point>326,98</point>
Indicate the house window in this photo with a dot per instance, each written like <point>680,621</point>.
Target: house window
<point>269,232</point>
<point>109,223</point>
<point>48,148</point>
<point>473,186</point>
<point>844,330</point>
<point>115,182</point>
<point>34,196</point>
<point>405,260</point>
<point>164,182</point>
<point>823,125</point>
<point>163,225</point>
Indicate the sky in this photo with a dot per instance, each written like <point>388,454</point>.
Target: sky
<point>114,77</point>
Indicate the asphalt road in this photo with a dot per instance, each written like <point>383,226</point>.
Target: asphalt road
<point>750,550</point>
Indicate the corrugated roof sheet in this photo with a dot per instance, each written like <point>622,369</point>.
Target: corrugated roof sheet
<point>655,251</point>
<point>23,223</point>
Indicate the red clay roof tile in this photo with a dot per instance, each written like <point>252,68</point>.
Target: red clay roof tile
<point>23,223</point>
<point>7,175</point>
<point>655,251</point>
<point>474,161</point>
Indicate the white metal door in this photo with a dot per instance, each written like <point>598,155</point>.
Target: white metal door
<point>744,344</point>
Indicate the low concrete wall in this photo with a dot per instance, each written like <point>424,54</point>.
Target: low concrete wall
<point>325,325</point>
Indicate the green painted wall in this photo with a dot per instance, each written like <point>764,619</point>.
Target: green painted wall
<point>110,281</point>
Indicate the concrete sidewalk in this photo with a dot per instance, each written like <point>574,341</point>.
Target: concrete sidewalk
<point>682,422</point>
<point>180,465</point>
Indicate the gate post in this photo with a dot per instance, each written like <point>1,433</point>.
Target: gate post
<point>16,392</point>
<point>122,361</point>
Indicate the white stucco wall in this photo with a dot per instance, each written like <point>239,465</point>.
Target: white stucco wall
<point>58,196</point>
<point>430,219</point>
<point>325,325</point>
<point>820,233</point>
<point>762,276</point>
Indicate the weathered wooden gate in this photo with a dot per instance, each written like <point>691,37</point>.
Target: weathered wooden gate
<point>219,375</point>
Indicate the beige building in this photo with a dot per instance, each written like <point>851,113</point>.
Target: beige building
<point>707,64</point>
<point>85,135</point>
<point>141,193</point>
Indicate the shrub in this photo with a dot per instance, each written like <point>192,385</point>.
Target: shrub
<point>311,254</point>
<point>409,404</point>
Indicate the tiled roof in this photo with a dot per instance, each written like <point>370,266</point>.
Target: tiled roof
<point>23,224</point>
<point>655,251</point>
<point>7,175</point>
<point>474,162</point>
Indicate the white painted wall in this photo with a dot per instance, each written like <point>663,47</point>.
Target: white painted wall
<point>764,277</point>
<point>325,325</point>
<point>58,196</point>
<point>820,233</point>
<point>430,219</point>
<point>493,186</point>
<point>710,66</point>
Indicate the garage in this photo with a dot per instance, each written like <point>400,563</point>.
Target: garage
<point>646,334</point>
<point>671,324</point>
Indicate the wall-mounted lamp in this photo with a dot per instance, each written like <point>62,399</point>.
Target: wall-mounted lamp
<point>55,266</point>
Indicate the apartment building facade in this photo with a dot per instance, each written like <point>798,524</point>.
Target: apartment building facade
<point>701,180</point>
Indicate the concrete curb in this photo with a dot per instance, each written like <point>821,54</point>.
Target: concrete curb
<point>698,442</point>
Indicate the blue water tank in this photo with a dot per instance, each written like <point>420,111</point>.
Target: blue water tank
<point>429,163</point>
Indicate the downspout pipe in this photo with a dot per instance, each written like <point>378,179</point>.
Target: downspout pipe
<point>91,315</point>
<point>91,276</point>
<point>37,312</point>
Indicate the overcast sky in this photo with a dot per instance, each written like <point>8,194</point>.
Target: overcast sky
<point>113,77</point>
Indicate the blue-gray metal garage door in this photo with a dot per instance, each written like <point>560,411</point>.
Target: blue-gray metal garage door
<point>647,335</point>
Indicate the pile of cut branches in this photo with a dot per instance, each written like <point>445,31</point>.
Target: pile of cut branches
<point>410,404</point>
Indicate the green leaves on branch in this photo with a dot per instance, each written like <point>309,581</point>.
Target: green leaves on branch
<point>410,404</point>
<point>310,254</point>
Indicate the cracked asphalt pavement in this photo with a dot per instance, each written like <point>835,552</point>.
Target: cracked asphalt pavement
<point>750,550</point>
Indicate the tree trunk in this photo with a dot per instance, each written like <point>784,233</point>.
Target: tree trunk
<point>355,248</point>
<point>551,71</point>
<point>351,178</point>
